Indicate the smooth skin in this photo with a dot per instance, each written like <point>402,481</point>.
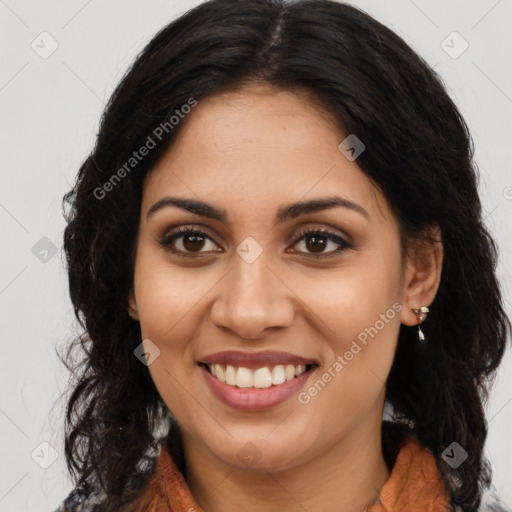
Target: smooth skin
<point>250,152</point>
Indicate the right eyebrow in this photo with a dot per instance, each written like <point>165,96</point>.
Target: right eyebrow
<point>192,205</point>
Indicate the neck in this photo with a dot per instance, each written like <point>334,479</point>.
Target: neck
<point>348,476</point>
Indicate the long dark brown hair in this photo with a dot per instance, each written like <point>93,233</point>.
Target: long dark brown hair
<point>418,152</point>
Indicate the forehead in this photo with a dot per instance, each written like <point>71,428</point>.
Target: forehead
<point>254,148</point>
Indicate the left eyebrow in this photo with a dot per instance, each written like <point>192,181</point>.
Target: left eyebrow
<point>294,210</point>
<point>284,213</point>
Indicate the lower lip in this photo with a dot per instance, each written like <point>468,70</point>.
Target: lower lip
<point>254,399</point>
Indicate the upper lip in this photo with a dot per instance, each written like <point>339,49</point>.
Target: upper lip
<point>255,359</point>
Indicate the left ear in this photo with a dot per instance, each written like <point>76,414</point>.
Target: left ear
<point>422,274</point>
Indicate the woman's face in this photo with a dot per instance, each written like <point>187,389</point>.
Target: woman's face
<point>249,290</point>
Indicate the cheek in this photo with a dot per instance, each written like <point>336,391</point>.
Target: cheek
<point>358,312</point>
<point>348,300</point>
<point>167,298</point>
<point>167,303</point>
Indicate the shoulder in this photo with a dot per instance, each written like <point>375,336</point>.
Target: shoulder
<point>80,499</point>
<point>395,435</point>
<point>491,502</point>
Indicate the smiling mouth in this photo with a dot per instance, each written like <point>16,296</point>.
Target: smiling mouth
<point>257,378</point>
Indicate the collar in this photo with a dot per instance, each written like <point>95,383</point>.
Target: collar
<point>415,482</point>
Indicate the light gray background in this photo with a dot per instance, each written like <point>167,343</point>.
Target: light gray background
<point>50,109</point>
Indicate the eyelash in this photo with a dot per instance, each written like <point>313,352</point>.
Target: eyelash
<point>169,238</point>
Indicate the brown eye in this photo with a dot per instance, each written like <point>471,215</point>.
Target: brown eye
<point>185,242</point>
<point>193,242</point>
<point>315,242</point>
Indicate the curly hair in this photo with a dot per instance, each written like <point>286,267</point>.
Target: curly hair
<point>419,153</point>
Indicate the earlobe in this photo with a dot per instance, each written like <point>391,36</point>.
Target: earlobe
<point>422,276</point>
<point>132,307</point>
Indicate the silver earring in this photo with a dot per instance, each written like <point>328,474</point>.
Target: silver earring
<point>422,315</point>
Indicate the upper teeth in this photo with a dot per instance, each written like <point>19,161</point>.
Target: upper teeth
<point>258,378</point>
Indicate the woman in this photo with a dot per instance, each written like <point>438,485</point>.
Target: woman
<point>277,235</point>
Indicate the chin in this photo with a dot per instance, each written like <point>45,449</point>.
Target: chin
<point>260,457</point>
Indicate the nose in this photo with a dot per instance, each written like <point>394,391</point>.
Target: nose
<point>252,299</point>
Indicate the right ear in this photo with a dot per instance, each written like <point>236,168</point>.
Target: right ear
<point>132,306</point>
